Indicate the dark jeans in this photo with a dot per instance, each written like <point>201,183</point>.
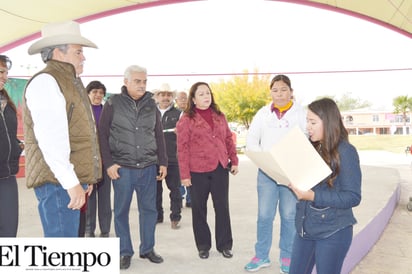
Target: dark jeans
<point>173,184</point>
<point>215,183</point>
<point>143,182</point>
<point>100,201</point>
<point>327,254</point>
<point>9,207</point>
<point>185,191</point>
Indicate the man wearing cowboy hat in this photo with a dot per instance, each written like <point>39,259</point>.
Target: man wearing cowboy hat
<point>164,97</point>
<point>62,151</point>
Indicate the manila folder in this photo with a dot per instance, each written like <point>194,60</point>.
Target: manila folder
<point>292,160</point>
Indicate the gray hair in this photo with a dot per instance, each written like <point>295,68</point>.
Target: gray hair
<point>47,53</point>
<point>134,68</point>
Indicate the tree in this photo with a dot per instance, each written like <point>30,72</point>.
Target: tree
<point>347,102</point>
<point>403,105</point>
<point>242,96</point>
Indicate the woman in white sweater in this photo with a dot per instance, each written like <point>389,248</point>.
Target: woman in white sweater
<point>268,126</point>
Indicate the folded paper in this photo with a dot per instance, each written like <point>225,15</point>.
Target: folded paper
<point>292,160</point>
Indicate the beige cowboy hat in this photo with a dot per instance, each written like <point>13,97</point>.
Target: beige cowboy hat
<point>164,88</point>
<point>60,33</point>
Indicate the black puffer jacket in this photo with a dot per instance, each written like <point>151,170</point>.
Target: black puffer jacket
<point>9,144</point>
<point>169,120</point>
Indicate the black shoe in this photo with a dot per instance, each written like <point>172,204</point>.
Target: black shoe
<point>159,220</point>
<point>125,262</point>
<point>153,257</point>
<point>188,204</point>
<point>227,253</point>
<point>204,254</point>
<point>104,235</point>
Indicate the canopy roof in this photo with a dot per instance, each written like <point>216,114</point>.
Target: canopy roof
<point>23,19</point>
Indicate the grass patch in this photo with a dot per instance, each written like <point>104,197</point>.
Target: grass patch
<point>391,143</point>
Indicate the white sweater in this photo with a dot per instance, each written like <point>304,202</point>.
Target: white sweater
<point>266,128</point>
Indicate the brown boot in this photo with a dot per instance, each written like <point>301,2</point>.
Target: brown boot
<point>175,225</point>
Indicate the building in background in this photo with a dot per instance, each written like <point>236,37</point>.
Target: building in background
<point>376,122</point>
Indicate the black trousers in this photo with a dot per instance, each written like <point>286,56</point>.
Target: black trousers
<point>215,183</point>
<point>99,205</point>
<point>9,206</point>
<point>173,184</point>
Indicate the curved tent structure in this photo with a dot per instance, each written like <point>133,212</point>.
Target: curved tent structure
<point>25,18</point>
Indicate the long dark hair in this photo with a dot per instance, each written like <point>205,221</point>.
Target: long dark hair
<point>333,133</point>
<point>4,93</point>
<point>190,108</point>
<point>6,62</point>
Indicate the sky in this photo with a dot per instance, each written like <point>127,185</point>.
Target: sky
<point>230,36</point>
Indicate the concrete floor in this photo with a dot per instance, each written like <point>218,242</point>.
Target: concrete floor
<point>391,254</point>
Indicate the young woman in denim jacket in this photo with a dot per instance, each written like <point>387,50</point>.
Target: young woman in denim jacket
<point>324,218</point>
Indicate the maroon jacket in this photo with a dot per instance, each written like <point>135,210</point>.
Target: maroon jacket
<point>201,148</point>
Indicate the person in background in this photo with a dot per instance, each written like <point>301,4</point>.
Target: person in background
<point>268,126</point>
<point>181,103</point>
<point>10,148</point>
<point>164,97</point>
<point>181,100</point>
<point>206,155</point>
<point>62,149</point>
<point>100,198</point>
<point>134,155</point>
<point>324,216</point>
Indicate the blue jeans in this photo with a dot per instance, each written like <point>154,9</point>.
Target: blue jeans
<point>57,220</point>
<point>185,191</point>
<point>328,254</point>
<point>143,182</point>
<point>270,195</point>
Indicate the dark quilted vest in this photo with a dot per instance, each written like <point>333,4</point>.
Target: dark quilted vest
<point>132,132</point>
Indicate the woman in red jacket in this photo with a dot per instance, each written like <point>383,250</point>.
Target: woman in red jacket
<point>206,155</point>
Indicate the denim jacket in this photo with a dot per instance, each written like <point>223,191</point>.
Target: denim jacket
<point>331,210</point>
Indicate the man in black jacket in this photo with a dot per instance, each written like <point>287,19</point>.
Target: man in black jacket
<point>134,153</point>
<point>164,97</point>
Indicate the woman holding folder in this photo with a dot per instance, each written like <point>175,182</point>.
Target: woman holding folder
<point>324,216</point>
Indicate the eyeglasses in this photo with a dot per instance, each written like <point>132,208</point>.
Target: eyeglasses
<point>6,60</point>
